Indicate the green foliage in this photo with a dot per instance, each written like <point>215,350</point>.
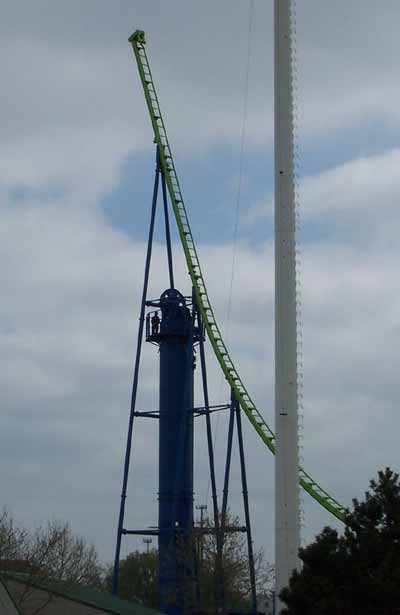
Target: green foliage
<point>235,564</point>
<point>358,571</point>
<point>138,578</point>
<point>138,573</point>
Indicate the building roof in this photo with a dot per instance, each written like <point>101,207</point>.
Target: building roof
<point>7,604</point>
<point>85,595</point>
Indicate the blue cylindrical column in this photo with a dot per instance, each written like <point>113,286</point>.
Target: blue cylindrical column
<point>175,339</point>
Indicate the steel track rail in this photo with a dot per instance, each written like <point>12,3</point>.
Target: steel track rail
<point>221,352</point>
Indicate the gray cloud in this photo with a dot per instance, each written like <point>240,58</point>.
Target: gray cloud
<point>73,95</point>
<point>73,111</point>
<point>67,341</point>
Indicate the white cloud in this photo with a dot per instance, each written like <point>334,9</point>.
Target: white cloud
<point>73,98</point>
<point>68,332</point>
<point>359,197</point>
<point>365,190</point>
<point>70,283</point>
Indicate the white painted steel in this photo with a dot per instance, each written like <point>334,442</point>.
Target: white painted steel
<point>287,532</point>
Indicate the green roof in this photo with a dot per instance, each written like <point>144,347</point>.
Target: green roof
<point>9,598</point>
<point>88,596</point>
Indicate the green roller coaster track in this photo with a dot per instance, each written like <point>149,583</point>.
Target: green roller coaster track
<point>221,352</point>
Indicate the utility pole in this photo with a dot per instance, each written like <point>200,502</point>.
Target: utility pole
<point>147,542</point>
<point>202,508</point>
<point>286,400</point>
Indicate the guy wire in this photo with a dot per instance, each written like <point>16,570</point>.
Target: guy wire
<point>238,202</point>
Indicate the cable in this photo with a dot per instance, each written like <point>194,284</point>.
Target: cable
<point>238,201</point>
<point>241,160</point>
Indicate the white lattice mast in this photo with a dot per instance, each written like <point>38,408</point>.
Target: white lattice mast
<point>287,529</point>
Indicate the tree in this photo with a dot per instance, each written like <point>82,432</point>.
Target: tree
<point>359,570</point>
<point>138,573</point>
<point>58,555</point>
<point>235,565</point>
<point>138,578</point>
<point>13,541</point>
<point>49,554</point>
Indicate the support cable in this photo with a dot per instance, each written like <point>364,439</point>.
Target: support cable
<point>241,166</point>
<point>238,202</point>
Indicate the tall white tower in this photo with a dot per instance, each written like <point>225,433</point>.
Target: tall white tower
<point>287,531</point>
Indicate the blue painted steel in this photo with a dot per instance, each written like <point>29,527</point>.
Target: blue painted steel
<point>219,590</point>
<point>167,232</point>
<point>175,339</point>
<point>135,379</point>
<point>227,465</point>
<point>246,505</point>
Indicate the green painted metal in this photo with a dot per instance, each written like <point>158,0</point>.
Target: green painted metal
<point>221,352</point>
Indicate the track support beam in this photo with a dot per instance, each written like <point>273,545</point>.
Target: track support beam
<point>136,377</point>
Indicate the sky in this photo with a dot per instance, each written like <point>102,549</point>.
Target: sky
<point>76,173</point>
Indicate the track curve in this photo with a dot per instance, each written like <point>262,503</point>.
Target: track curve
<point>220,350</point>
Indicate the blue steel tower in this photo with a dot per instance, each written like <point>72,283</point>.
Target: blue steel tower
<point>175,334</point>
<point>174,325</point>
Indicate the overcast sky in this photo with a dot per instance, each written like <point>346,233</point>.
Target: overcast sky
<point>76,172</point>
